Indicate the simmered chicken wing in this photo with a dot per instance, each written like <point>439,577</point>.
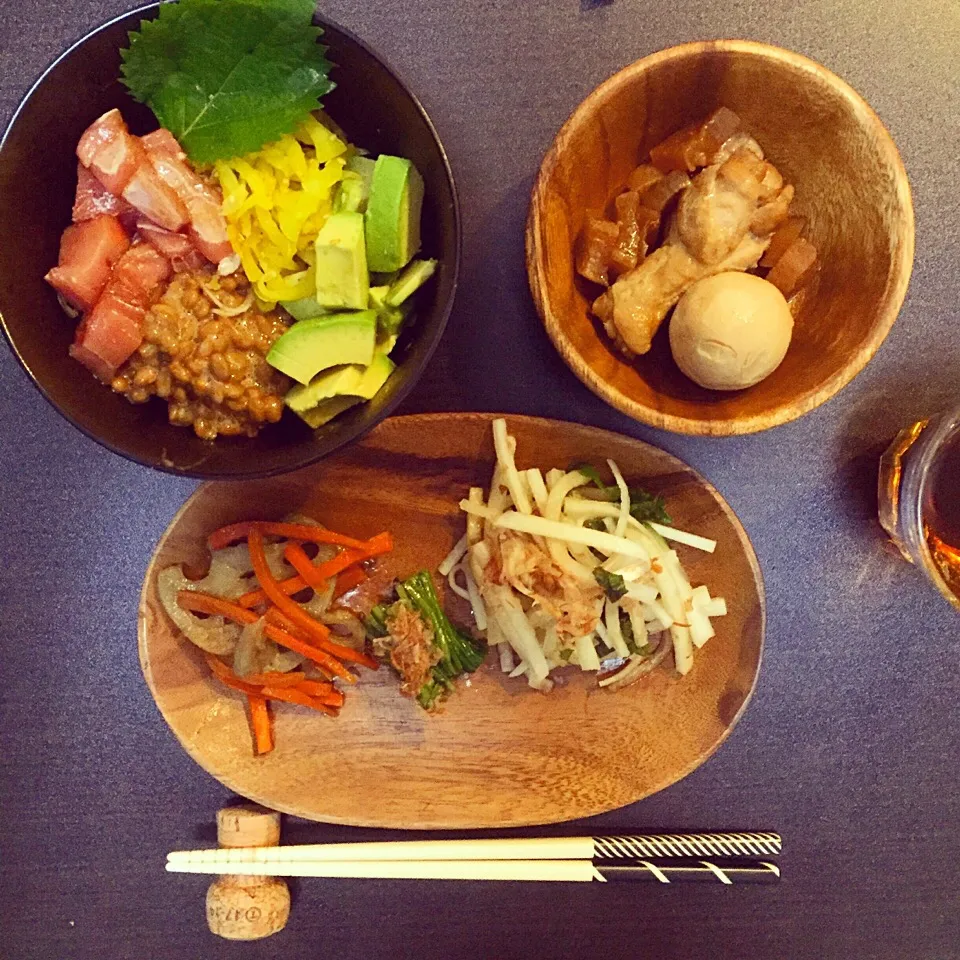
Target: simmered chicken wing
<point>723,222</point>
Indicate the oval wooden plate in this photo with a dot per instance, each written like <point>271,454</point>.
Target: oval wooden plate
<point>500,754</point>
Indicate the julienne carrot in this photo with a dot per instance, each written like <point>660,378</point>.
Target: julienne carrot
<point>374,547</point>
<point>342,652</point>
<point>322,691</point>
<point>288,694</point>
<point>273,679</point>
<point>270,587</point>
<point>315,688</point>
<point>293,531</point>
<point>330,664</point>
<point>196,602</point>
<point>289,586</point>
<point>298,559</point>
<point>279,619</point>
<point>260,723</point>
<point>228,678</point>
<point>346,581</point>
<point>291,695</point>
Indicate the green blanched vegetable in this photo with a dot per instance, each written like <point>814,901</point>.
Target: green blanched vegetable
<point>645,507</point>
<point>460,653</point>
<point>227,76</point>
<point>612,583</point>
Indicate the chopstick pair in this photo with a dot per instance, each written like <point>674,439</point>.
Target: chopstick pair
<point>663,858</point>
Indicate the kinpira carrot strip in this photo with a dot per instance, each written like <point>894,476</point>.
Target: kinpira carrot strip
<point>342,652</point>
<point>292,695</point>
<point>197,602</point>
<point>316,688</point>
<point>350,578</point>
<point>293,531</point>
<point>279,619</point>
<point>227,677</point>
<point>288,607</point>
<point>261,723</point>
<point>286,694</point>
<point>321,657</point>
<point>298,559</point>
<point>325,693</point>
<point>374,547</point>
<point>289,586</point>
<point>275,616</point>
<point>274,679</point>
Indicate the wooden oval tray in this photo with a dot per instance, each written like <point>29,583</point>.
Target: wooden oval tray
<point>500,754</point>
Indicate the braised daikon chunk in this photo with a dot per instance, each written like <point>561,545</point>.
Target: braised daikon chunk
<point>597,242</point>
<point>794,268</point>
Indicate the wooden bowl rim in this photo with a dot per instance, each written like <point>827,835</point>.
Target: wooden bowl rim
<point>888,308</point>
<point>743,539</point>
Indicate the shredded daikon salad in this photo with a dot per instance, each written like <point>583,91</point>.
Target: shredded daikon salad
<point>556,577</point>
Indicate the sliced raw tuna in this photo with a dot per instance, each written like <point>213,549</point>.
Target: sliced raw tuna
<point>163,143</point>
<point>151,196</point>
<point>110,151</point>
<point>141,270</point>
<point>113,329</point>
<point>208,228</point>
<point>121,163</point>
<point>177,247</point>
<point>94,199</point>
<point>88,250</point>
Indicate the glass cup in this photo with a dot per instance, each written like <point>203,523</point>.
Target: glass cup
<point>919,497</point>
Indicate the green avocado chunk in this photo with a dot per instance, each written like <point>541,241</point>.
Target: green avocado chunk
<point>326,410</point>
<point>304,309</point>
<point>341,267</point>
<point>323,342</point>
<point>352,381</point>
<point>413,277</point>
<point>393,214</point>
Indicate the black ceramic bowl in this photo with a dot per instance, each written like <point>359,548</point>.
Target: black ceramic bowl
<point>37,184</point>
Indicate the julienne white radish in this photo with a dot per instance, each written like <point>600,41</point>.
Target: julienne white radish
<point>556,577</point>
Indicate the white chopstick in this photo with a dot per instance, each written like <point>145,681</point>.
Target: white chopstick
<point>514,848</point>
<point>566,870</point>
<point>661,870</point>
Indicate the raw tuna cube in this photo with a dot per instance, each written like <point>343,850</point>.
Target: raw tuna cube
<point>112,330</point>
<point>178,248</point>
<point>208,228</point>
<point>94,199</point>
<point>110,151</point>
<point>88,250</point>
<point>151,196</point>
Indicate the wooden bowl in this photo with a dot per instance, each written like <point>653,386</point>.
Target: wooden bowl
<point>37,183</point>
<point>850,185</point>
<point>500,754</point>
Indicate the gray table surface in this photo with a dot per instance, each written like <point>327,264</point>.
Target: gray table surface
<point>850,746</point>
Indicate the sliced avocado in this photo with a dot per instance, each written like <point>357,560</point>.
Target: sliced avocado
<point>304,309</point>
<point>342,278</point>
<point>323,342</point>
<point>393,214</point>
<point>363,167</point>
<point>389,318</point>
<point>413,277</point>
<point>352,195</point>
<point>337,381</point>
<point>353,381</point>
<point>326,410</point>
